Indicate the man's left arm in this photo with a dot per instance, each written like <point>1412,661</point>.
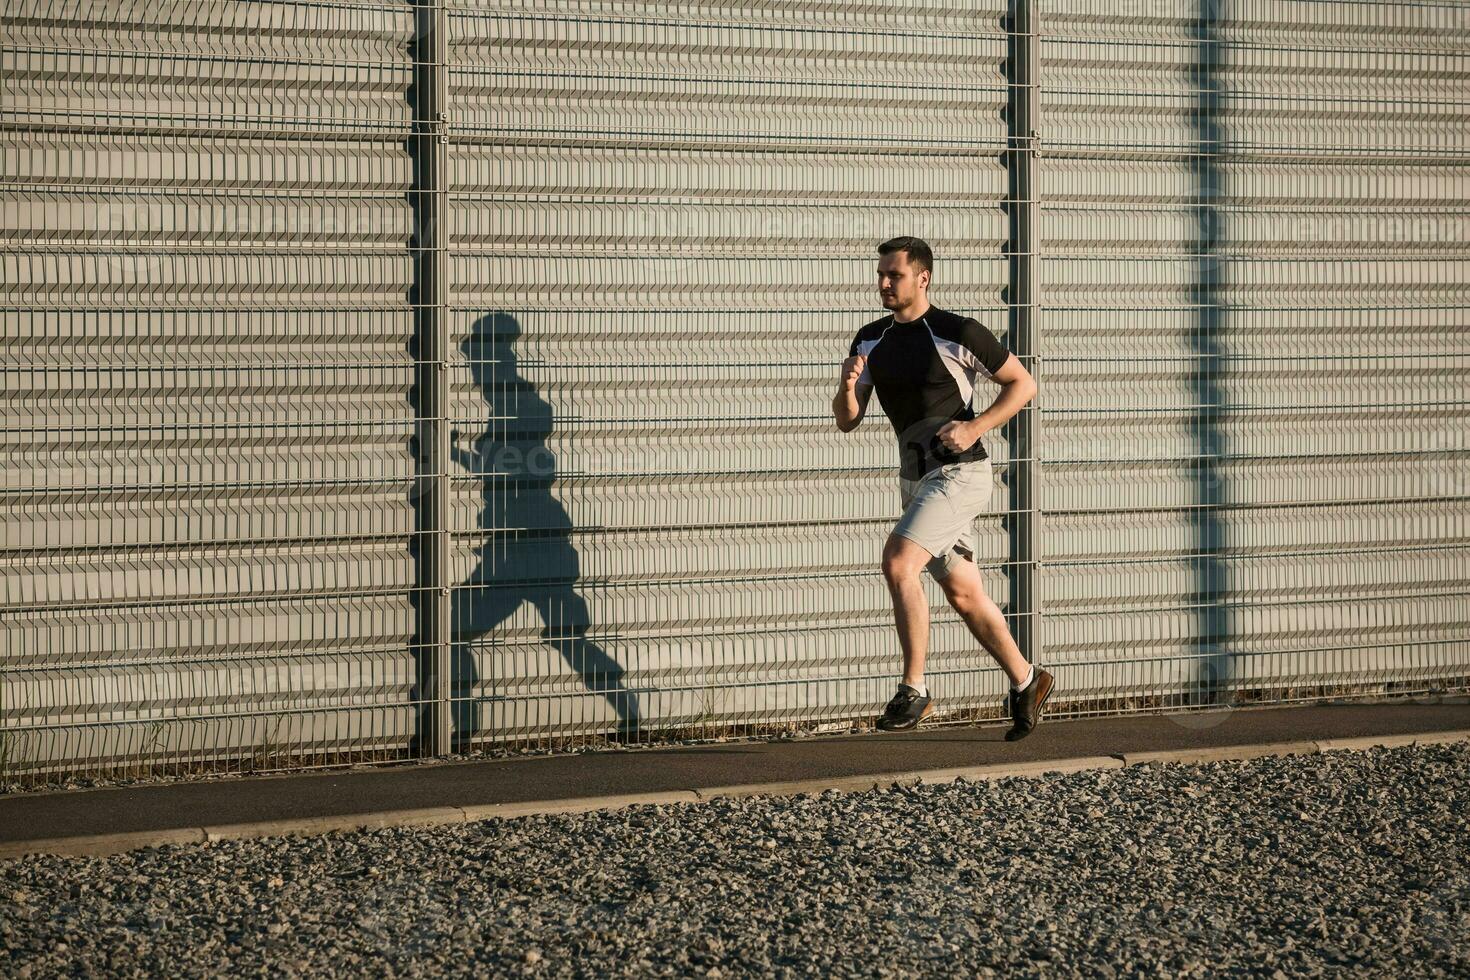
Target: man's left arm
<point>1017,387</point>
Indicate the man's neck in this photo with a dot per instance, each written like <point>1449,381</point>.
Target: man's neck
<point>917,316</point>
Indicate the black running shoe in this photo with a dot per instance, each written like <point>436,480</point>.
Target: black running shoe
<point>1026,705</point>
<point>905,711</point>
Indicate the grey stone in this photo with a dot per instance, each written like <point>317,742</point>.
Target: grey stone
<point>1193,870</point>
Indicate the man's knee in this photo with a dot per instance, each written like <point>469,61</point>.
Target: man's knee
<point>963,597</point>
<point>903,558</point>
<point>961,583</point>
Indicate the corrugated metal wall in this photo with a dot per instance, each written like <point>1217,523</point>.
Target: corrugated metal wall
<point>664,223</point>
<point>661,229</point>
<point>1121,321</point>
<point>1347,178</point>
<point>1254,328</point>
<point>206,322</point>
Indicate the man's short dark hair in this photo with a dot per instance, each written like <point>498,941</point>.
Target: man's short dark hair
<point>917,250</point>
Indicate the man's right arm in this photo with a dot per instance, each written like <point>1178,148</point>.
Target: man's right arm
<point>850,403</point>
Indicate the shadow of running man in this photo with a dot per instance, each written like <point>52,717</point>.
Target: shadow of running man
<point>527,553</point>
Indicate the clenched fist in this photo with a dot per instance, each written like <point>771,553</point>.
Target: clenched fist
<point>958,436</point>
<point>852,369</point>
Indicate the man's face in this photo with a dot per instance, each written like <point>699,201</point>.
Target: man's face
<point>900,285</point>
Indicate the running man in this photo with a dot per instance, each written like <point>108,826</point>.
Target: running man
<point>923,361</point>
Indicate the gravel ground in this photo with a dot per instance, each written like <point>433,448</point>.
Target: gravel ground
<point>1356,861</point>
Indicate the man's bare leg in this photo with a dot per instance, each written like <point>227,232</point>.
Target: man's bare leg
<point>966,592</point>
<point>903,562</point>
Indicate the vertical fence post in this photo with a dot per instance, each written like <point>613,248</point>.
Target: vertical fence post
<point>431,151</point>
<point>1214,666</point>
<point>1021,152</point>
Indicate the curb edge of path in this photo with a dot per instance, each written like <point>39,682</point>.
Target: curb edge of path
<point>105,844</point>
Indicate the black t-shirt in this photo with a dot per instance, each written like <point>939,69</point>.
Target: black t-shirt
<point>924,372</point>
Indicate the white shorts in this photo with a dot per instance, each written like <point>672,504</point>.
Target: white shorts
<point>939,511</point>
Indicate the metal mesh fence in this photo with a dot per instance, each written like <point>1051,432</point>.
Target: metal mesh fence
<point>1343,175</point>
<point>224,488</point>
<point>1254,349</point>
<point>206,323</point>
<point>659,229</point>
